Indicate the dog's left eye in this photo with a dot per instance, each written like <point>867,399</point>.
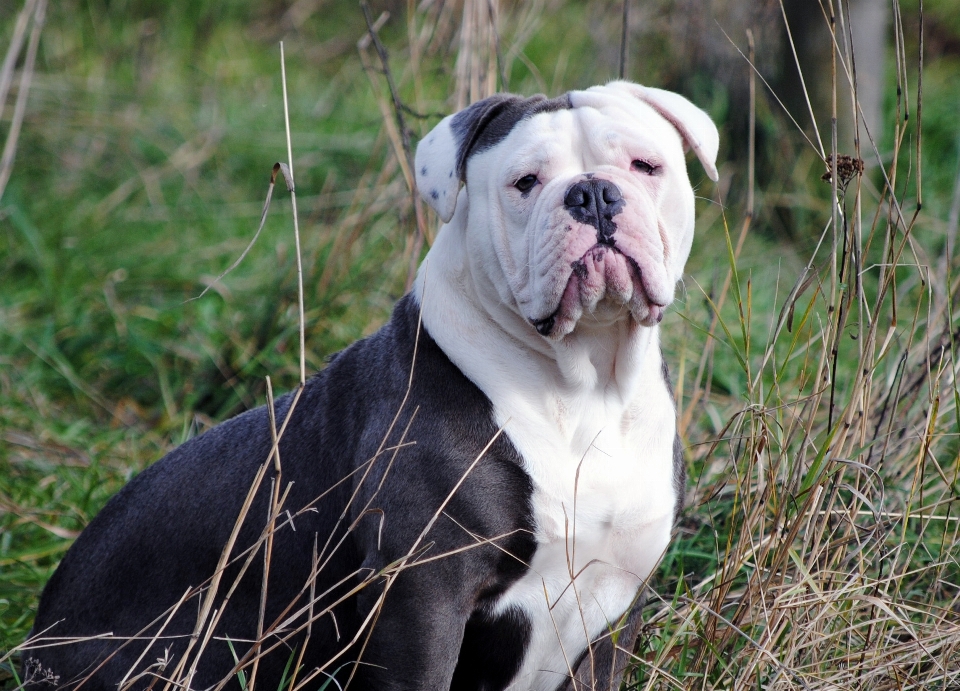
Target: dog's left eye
<point>644,167</point>
<point>526,183</point>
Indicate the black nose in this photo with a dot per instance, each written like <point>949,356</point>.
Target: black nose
<point>595,202</point>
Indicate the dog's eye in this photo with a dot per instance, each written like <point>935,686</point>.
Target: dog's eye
<point>644,167</point>
<point>526,183</point>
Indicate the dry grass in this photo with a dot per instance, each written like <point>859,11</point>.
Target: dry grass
<point>818,403</point>
<point>830,487</point>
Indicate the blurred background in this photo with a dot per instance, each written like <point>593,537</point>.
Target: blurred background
<point>139,140</point>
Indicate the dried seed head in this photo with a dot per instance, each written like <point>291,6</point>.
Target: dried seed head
<point>847,168</point>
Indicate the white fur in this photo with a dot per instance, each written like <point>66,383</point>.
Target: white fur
<point>436,169</point>
<point>588,410</point>
<point>696,127</point>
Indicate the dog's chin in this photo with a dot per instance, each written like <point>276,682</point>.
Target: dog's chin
<point>603,289</point>
<point>609,312</point>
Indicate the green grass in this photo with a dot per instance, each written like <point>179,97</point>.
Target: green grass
<point>140,174</point>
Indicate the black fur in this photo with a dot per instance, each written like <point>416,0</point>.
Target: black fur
<point>486,123</point>
<point>162,536</point>
<point>679,464</point>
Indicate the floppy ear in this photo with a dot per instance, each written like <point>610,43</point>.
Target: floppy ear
<point>436,169</point>
<point>697,129</point>
<point>441,158</point>
<point>695,126</point>
<point>441,155</point>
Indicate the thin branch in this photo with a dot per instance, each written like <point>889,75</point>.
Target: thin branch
<point>406,153</point>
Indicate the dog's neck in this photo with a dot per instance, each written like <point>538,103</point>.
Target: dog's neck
<point>598,372</point>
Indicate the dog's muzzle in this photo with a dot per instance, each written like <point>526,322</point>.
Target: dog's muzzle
<point>605,271</point>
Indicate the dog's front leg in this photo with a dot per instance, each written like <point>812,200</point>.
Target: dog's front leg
<point>416,636</point>
<point>602,665</point>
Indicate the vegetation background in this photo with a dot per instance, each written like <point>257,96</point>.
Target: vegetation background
<point>812,345</point>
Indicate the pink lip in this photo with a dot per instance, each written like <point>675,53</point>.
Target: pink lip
<point>570,309</point>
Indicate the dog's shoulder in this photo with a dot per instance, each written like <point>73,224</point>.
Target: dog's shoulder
<point>424,420</point>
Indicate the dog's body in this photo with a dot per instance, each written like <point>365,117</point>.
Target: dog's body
<point>487,520</point>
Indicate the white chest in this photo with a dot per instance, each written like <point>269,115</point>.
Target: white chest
<point>603,506</point>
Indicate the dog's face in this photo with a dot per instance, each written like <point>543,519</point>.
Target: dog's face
<point>577,210</point>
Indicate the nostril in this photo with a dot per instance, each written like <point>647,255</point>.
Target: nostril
<point>611,194</point>
<point>578,195</point>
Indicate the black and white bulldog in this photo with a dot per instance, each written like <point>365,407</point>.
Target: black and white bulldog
<point>472,498</point>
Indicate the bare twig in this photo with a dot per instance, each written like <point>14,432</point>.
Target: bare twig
<point>405,154</point>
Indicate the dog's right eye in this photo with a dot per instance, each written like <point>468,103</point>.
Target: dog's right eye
<point>526,183</point>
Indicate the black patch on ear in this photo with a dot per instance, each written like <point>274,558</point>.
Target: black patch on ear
<point>486,123</point>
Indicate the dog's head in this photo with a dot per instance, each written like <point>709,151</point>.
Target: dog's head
<point>574,208</point>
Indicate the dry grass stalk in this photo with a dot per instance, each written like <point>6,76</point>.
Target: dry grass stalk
<point>277,168</point>
<point>13,50</point>
<point>477,58</point>
<point>38,9</point>
<point>296,222</point>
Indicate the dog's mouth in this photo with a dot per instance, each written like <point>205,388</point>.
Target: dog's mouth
<point>606,284</point>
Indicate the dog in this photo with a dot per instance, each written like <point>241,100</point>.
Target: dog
<point>475,496</point>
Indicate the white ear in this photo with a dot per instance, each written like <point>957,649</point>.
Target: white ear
<point>695,126</point>
<point>436,162</point>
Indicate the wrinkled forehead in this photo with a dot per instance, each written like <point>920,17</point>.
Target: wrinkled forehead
<point>586,134</point>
